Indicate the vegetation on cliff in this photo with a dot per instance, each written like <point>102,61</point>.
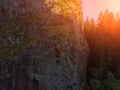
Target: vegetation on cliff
<point>42,45</point>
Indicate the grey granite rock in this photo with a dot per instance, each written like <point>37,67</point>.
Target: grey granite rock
<point>57,61</point>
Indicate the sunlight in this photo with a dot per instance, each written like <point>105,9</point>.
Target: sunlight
<point>67,8</point>
<point>92,8</point>
<point>114,5</point>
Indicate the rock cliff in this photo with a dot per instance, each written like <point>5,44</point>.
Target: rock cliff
<point>56,59</point>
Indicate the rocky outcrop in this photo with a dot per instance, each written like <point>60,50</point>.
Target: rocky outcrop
<point>57,58</point>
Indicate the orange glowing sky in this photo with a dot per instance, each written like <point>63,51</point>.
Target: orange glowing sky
<point>92,8</point>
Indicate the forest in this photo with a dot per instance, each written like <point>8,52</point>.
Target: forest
<point>48,45</point>
<point>103,37</point>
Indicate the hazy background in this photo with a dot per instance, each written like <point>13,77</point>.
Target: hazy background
<point>91,8</point>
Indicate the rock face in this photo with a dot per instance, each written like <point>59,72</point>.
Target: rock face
<point>56,61</point>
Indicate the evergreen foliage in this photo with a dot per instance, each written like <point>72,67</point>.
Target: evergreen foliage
<point>104,58</point>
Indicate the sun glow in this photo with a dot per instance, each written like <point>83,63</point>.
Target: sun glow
<point>92,8</point>
<point>114,5</point>
<point>68,8</point>
<point>64,6</point>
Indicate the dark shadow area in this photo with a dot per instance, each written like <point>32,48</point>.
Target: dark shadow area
<point>103,37</point>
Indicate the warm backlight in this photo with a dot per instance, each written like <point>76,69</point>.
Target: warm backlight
<point>92,8</point>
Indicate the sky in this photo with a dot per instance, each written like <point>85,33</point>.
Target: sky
<point>92,8</point>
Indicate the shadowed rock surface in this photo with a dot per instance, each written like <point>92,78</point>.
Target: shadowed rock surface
<point>57,58</point>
